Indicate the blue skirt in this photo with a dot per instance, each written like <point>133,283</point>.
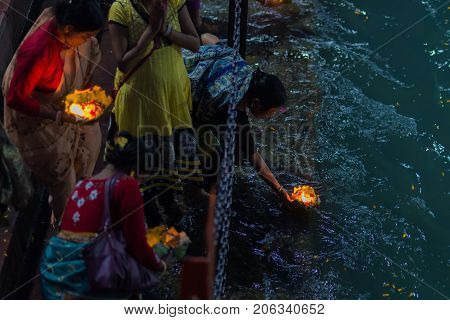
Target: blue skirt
<point>64,274</point>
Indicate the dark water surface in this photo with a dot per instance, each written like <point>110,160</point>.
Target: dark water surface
<point>368,125</point>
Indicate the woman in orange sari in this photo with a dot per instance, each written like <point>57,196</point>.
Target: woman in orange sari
<point>58,55</point>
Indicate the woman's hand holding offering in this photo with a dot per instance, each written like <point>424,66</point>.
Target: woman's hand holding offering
<point>62,117</point>
<point>285,197</point>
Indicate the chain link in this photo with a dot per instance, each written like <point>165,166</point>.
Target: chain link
<point>224,193</point>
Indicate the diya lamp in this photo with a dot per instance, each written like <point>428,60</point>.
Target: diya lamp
<point>88,104</point>
<point>166,240</point>
<point>306,196</point>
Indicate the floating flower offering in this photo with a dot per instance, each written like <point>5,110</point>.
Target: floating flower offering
<point>306,196</point>
<point>273,3</point>
<point>166,240</point>
<point>88,104</point>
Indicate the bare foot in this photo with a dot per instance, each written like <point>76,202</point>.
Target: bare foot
<point>208,38</point>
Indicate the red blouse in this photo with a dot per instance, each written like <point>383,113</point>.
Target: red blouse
<point>39,67</point>
<point>84,212</point>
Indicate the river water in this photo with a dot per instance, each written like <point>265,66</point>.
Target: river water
<point>367,125</point>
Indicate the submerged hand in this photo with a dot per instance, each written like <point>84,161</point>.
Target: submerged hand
<point>285,197</point>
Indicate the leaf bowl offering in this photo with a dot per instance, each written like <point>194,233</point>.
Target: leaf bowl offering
<point>165,241</point>
<point>87,105</point>
<point>306,196</point>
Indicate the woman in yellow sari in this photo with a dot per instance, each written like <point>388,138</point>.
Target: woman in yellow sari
<point>57,56</point>
<point>155,102</point>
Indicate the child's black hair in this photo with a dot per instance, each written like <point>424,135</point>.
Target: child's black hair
<point>123,153</point>
<point>268,88</point>
<point>83,15</point>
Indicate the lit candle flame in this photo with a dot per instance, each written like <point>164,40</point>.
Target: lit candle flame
<point>76,109</point>
<point>88,110</point>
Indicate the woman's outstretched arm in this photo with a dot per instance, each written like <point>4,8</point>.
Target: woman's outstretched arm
<point>266,174</point>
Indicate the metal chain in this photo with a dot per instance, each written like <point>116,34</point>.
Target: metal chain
<point>224,193</point>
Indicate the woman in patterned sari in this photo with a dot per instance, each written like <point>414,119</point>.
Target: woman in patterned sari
<point>59,54</point>
<point>258,93</point>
